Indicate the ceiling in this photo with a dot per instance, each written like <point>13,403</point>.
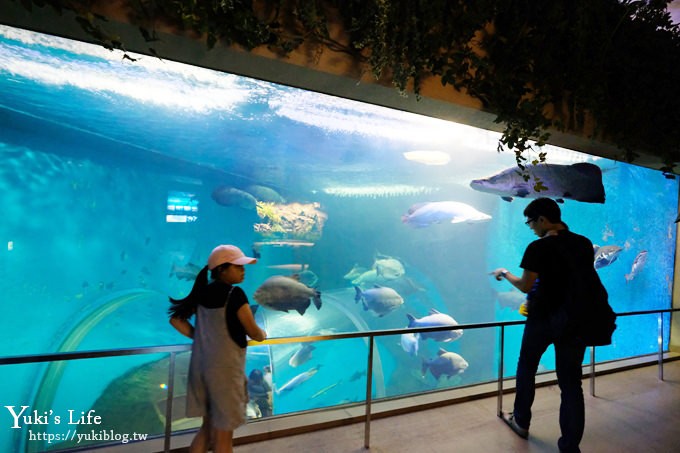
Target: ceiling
<point>282,71</point>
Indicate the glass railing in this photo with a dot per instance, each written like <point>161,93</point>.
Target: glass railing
<point>147,402</point>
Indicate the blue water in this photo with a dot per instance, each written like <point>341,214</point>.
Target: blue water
<point>91,146</point>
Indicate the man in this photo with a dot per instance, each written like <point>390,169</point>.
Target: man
<point>550,265</point>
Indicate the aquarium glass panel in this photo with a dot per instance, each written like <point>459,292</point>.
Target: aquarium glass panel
<point>85,402</point>
<point>316,375</point>
<point>118,178</point>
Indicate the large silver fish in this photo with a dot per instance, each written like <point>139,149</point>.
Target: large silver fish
<point>388,267</point>
<point>436,319</point>
<point>380,299</point>
<point>637,266</point>
<point>285,293</point>
<point>409,343</point>
<point>579,182</point>
<point>445,364</point>
<point>605,255</point>
<point>302,355</point>
<point>425,214</point>
<point>297,380</point>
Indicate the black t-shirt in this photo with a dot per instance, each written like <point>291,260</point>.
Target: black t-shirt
<point>215,296</point>
<point>556,259</point>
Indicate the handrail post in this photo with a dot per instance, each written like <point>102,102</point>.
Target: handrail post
<point>168,404</point>
<point>660,340</point>
<point>369,387</point>
<point>501,361</point>
<point>592,371</point>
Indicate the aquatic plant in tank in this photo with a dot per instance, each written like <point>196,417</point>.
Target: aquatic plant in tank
<point>119,177</point>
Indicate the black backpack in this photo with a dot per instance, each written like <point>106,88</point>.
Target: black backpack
<point>585,313</point>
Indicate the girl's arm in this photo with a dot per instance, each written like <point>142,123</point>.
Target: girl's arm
<point>245,315</point>
<point>182,326</point>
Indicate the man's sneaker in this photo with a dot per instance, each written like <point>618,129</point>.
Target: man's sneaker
<point>509,420</point>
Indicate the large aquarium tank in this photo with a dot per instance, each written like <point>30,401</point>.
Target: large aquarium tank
<point>118,178</point>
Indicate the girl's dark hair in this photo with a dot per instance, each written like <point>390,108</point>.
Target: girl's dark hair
<point>185,308</point>
<point>215,273</point>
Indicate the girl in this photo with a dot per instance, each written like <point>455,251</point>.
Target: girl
<point>216,389</point>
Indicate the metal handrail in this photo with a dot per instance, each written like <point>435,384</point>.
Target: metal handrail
<point>174,349</point>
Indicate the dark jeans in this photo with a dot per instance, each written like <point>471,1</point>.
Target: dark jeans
<point>537,337</point>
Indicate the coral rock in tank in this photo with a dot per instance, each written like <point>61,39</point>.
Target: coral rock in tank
<point>293,220</point>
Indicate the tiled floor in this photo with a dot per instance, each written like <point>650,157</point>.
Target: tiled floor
<point>633,412</point>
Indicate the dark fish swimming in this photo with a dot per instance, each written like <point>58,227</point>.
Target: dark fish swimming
<point>230,196</point>
<point>579,182</point>
<point>283,293</point>
<point>187,271</point>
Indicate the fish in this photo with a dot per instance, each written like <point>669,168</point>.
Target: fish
<point>297,380</point>
<point>380,299</point>
<point>446,363</point>
<point>302,355</point>
<point>357,375</point>
<point>428,157</point>
<point>355,272</point>
<point>285,293</point>
<point>388,267</point>
<point>368,278</point>
<point>187,271</point>
<point>605,255</point>
<point>638,265</point>
<point>289,267</point>
<point>579,182</point>
<point>263,193</point>
<point>422,215</point>
<point>282,243</point>
<point>325,390</point>
<point>511,299</point>
<point>404,285</point>
<point>677,219</point>
<point>409,343</point>
<point>230,196</point>
<point>436,319</point>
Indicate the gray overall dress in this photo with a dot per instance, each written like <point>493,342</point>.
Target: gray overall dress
<point>217,380</point>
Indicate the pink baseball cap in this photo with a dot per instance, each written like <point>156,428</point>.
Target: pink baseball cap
<point>228,254</point>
